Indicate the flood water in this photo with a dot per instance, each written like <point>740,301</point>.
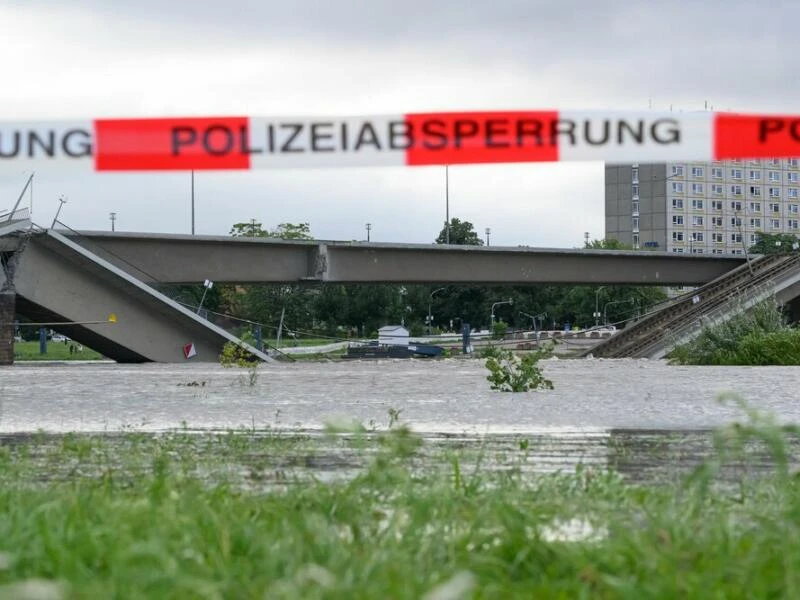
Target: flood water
<point>639,415</point>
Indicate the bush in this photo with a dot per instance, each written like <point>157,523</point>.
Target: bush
<point>760,336</point>
<point>499,330</point>
<point>512,373</point>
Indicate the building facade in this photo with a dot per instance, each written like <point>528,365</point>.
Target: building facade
<point>715,207</point>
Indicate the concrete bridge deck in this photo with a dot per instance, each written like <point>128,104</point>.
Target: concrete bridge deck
<point>174,258</point>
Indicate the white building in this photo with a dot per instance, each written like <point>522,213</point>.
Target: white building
<point>701,207</point>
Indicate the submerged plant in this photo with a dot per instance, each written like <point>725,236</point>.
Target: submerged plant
<point>237,355</point>
<point>512,373</point>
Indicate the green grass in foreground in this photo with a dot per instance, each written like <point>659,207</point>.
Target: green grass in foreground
<point>55,351</point>
<point>176,517</point>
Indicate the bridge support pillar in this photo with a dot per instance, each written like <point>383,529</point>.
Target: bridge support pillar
<point>7,309</point>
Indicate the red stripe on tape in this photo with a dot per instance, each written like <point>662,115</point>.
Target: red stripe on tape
<point>756,136</point>
<point>172,144</point>
<point>481,137</point>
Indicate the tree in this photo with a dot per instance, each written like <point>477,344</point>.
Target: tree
<point>265,303</point>
<point>773,243</point>
<point>284,231</point>
<point>607,244</point>
<point>462,233</point>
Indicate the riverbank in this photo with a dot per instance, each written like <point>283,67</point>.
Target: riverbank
<point>231,515</point>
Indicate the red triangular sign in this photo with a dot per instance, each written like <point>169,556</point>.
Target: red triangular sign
<point>189,351</point>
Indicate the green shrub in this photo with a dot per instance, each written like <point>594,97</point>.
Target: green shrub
<point>759,336</point>
<point>512,373</point>
<point>499,330</point>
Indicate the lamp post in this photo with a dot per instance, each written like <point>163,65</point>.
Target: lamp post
<point>207,284</point>
<point>430,302</point>
<point>488,233</point>
<point>369,228</point>
<point>509,301</point>
<point>447,203</point>
<point>113,217</point>
<point>597,305</point>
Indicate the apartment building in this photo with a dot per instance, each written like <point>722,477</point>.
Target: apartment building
<point>701,207</point>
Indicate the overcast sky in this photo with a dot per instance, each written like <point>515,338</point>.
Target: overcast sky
<point>127,58</point>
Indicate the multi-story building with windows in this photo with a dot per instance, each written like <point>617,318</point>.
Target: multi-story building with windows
<point>702,207</point>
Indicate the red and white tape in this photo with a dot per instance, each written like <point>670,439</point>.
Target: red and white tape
<point>243,143</point>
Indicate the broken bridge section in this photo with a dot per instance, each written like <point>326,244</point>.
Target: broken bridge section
<point>103,307</point>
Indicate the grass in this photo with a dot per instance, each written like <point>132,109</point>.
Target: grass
<point>239,515</point>
<point>55,351</point>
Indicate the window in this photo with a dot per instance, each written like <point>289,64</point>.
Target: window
<point>697,171</point>
<point>755,207</point>
<point>697,203</point>
<point>776,162</point>
<point>774,207</point>
<point>716,221</point>
<point>716,173</point>
<point>792,192</point>
<point>753,238</point>
<point>792,162</point>
<point>677,219</point>
<point>755,223</point>
<point>677,203</point>
<point>716,238</point>
<point>677,170</point>
<point>792,223</point>
<point>677,187</point>
<point>635,207</point>
<point>716,189</point>
<point>716,205</point>
<point>635,174</point>
<point>738,251</point>
<point>698,236</point>
<point>755,175</point>
<point>697,221</point>
<point>755,162</point>
<point>716,251</point>
<point>697,250</point>
<point>774,192</point>
<point>792,177</point>
<point>755,190</point>
<point>792,208</point>
<point>736,238</point>
<point>736,190</point>
<point>678,250</point>
<point>635,224</point>
<point>774,176</point>
<point>775,223</point>
<point>697,188</point>
<point>736,173</point>
<point>736,222</point>
<point>677,236</point>
<point>635,191</point>
<point>736,205</point>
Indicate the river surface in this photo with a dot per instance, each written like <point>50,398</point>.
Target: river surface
<point>597,405</point>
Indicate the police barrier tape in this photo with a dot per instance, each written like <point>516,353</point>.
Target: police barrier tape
<point>450,138</point>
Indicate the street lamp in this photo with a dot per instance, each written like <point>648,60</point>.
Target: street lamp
<point>509,301</point>
<point>488,232</point>
<point>430,301</point>
<point>369,228</point>
<point>597,305</point>
<point>113,217</point>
